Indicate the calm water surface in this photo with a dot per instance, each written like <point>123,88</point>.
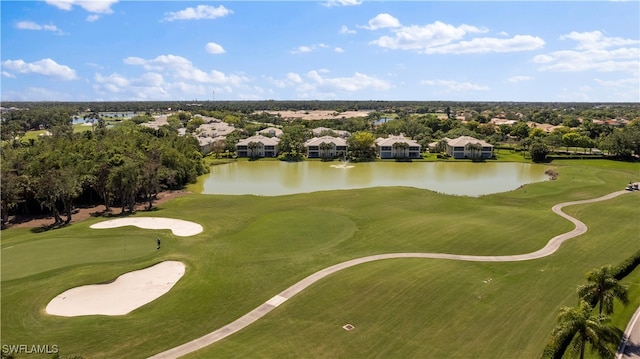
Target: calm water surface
<point>275,178</point>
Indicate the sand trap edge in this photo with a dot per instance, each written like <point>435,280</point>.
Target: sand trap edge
<point>126,293</point>
<point>179,227</point>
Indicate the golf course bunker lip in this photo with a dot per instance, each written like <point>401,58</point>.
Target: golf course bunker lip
<point>128,292</point>
<point>179,227</point>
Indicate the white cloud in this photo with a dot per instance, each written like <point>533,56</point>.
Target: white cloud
<point>214,48</point>
<point>181,69</point>
<point>455,85</point>
<point>36,94</point>
<point>622,59</point>
<point>596,40</point>
<point>488,44</point>
<point>148,86</point>
<point>618,83</point>
<point>113,82</point>
<point>30,25</point>
<point>594,52</point>
<point>425,37</point>
<point>332,3</point>
<point>6,74</point>
<point>344,29</point>
<point>382,21</point>
<point>338,50</point>
<point>308,48</point>
<point>46,67</point>
<point>97,6</point>
<point>353,83</point>
<point>621,90</point>
<point>293,77</point>
<point>197,13</point>
<point>515,79</point>
<point>317,84</point>
<point>301,49</point>
<point>442,38</point>
<point>92,18</point>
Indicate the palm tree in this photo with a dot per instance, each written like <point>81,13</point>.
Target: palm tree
<point>603,289</point>
<point>400,149</point>
<point>325,149</point>
<point>581,326</point>
<point>475,150</point>
<point>441,146</point>
<point>253,148</point>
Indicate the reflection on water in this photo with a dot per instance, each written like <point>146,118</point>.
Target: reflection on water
<point>271,178</point>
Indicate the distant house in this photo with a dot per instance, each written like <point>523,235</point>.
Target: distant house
<point>326,147</point>
<point>257,146</point>
<point>397,147</point>
<point>208,144</point>
<point>468,147</point>
<point>215,129</point>
<point>319,131</point>
<point>271,132</point>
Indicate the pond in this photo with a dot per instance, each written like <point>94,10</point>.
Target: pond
<point>275,178</point>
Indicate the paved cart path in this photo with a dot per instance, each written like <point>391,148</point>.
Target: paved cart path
<point>630,346</point>
<point>283,296</point>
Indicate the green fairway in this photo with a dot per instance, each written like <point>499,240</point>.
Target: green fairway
<point>254,247</point>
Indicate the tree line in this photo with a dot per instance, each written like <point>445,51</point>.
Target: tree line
<point>115,166</point>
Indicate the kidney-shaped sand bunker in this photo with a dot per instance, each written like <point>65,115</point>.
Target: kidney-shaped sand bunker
<point>179,227</point>
<point>128,292</point>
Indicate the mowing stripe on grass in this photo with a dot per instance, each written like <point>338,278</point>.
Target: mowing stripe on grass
<point>247,319</point>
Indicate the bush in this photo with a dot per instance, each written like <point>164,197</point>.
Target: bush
<point>625,268</point>
<point>538,152</point>
<point>291,157</point>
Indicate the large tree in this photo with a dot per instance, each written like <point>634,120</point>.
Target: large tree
<point>292,141</point>
<point>124,182</point>
<point>603,289</point>
<point>361,145</point>
<point>538,151</point>
<point>581,326</point>
<point>150,180</point>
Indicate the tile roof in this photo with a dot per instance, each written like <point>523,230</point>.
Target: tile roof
<point>318,130</point>
<point>464,140</point>
<point>271,130</point>
<point>316,141</point>
<point>389,141</point>
<point>267,141</point>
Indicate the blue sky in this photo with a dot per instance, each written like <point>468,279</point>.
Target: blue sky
<point>73,50</point>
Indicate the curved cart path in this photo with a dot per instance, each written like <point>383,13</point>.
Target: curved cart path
<point>280,298</point>
<point>630,346</point>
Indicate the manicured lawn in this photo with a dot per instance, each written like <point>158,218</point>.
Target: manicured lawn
<point>254,247</point>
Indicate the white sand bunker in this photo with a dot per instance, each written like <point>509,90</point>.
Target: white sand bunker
<point>177,226</point>
<point>128,292</point>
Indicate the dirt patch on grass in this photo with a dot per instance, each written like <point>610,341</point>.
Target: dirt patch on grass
<point>318,114</point>
<point>81,213</point>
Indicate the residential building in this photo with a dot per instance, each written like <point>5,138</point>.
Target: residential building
<point>271,132</point>
<point>257,146</point>
<point>469,147</point>
<point>326,147</point>
<point>397,147</point>
<point>319,131</point>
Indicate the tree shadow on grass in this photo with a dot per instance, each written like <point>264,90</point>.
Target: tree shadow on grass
<point>48,227</point>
